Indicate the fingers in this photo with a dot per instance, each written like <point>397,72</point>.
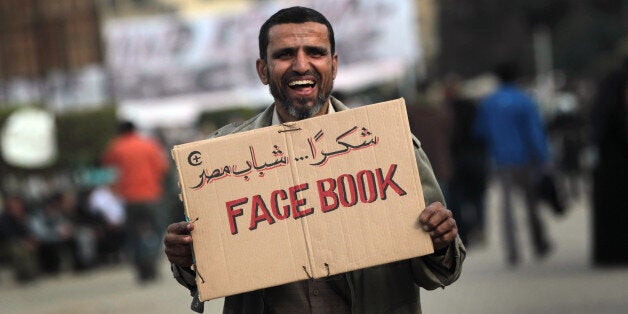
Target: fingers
<point>444,240</point>
<point>173,239</point>
<point>179,234</point>
<point>439,223</point>
<point>180,255</point>
<point>180,228</point>
<point>178,244</point>
<point>433,215</point>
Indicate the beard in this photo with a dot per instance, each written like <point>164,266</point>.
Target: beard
<point>301,112</point>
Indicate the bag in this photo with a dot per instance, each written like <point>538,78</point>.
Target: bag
<point>549,193</point>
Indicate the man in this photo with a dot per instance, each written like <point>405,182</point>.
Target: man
<point>298,62</point>
<point>18,244</point>
<point>141,166</point>
<point>509,122</point>
<point>609,119</point>
<point>55,233</point>
<point>467,187</point>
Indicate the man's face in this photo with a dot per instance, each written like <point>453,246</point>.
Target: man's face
<point>299,68</point>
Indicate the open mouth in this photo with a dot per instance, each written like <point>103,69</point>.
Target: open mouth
<point>300,84</point>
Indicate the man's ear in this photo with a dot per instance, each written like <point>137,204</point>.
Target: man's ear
<point>262,70</point>
<point>334,64</point>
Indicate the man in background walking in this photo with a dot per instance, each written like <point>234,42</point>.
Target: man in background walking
<point>141,166</point>
<point>509,122</point>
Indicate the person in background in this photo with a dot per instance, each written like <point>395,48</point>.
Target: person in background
<point>18,244</point>
<point>103,203</point>
<point>510,124</point>
<point>467,186</point>
<point>141,166</point>
<point>299,63</point>
<point>431,123</point>
<point>610,191</point>
<point>55,233</point>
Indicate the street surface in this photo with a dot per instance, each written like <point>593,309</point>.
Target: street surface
<point>564,282</point>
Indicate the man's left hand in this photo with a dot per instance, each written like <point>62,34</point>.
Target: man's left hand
<point>439,223</point>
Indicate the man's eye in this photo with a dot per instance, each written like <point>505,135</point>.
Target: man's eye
<point>284,55</point>
<point>316,53</point>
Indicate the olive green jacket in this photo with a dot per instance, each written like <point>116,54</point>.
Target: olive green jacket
<point>389,288</point>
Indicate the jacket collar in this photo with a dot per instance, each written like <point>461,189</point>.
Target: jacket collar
<point>266,117</point>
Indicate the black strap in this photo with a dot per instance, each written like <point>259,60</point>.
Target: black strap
<point>197,306</point>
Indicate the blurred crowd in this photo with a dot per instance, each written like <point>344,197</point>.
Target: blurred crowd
<point>67,231</point>
<point>494,129</point>
<point>112,213</point>
<point>542,156</point>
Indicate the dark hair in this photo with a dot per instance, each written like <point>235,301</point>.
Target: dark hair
<point>55,198</point>
<point>507,72</point>
<point>295,15</point>
<point>126,127</point>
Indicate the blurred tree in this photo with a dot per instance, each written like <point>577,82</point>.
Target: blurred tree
<point>83,135</point>
<point>216,119</point>
<point>608,6</point>
<point>583,38</point>
<point>477,34</point>
<point>543,12</point>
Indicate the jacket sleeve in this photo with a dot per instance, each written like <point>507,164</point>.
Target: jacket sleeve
<point>435,270</point>
<point>184,276</point>
<point>187,278</point>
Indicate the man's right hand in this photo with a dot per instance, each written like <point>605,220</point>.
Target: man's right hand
<point>178,243</point>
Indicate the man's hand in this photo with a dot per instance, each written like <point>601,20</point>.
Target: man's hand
<point>439,223</point>
<point>178,243</point>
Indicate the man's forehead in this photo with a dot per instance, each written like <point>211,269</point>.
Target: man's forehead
<point>290,31</point>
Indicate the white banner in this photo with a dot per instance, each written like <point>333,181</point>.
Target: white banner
<point>59,90</point>
<point>213,55</point>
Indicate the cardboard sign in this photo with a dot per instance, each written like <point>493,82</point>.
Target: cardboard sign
<point>305,199</point>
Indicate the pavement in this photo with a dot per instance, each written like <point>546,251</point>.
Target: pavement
<point>564,282</point>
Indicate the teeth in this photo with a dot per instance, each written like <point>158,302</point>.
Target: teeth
<point>302,82</point>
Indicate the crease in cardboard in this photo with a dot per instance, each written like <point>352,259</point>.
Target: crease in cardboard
<point>304,227</point>
<point>360,221</point>
<point>286,133</point>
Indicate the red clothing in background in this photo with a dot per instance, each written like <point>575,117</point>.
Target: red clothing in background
<point>141,165</point>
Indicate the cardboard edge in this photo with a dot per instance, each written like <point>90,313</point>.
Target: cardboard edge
<point>183,199</point>
<point>422,204</point>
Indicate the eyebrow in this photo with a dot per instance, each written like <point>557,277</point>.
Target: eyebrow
<point>308,49</point>
<point>316,49</point>
<point>278,53</point>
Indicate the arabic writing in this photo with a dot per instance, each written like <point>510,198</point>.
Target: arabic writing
<point>234,170</point>
<point>350,140</point>
<point>341,140</point>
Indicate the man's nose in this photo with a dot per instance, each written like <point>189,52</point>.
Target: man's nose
<point>301,63</point>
